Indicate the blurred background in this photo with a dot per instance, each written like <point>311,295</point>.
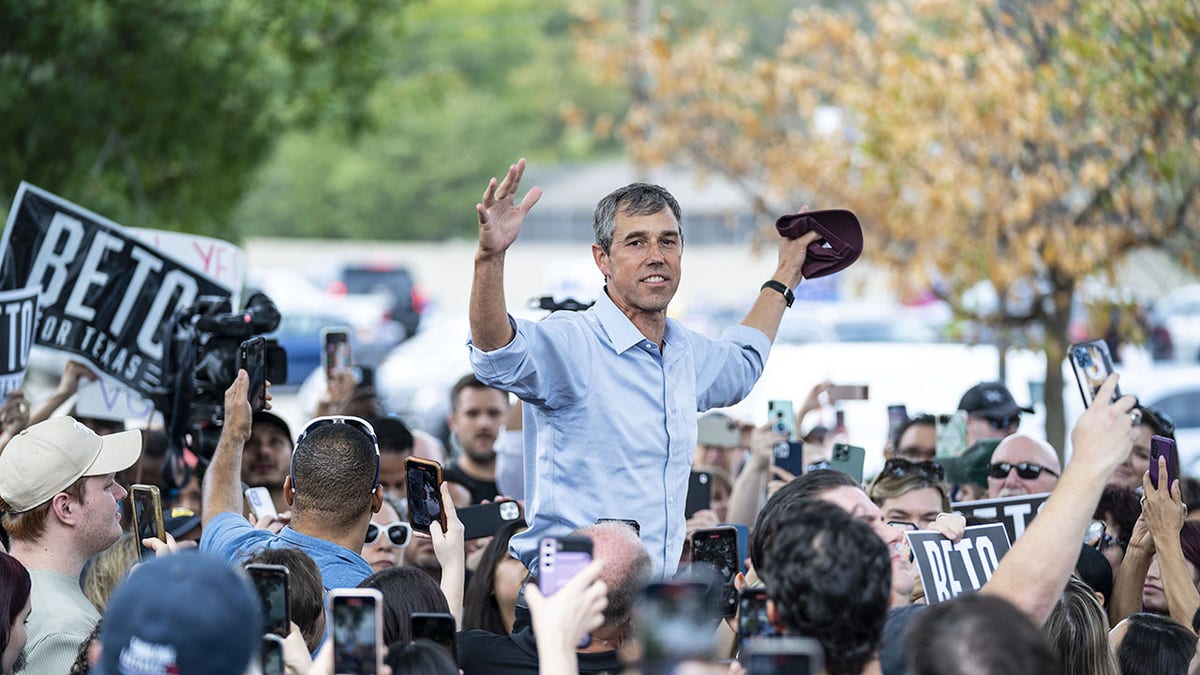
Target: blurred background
<point>1027,173</point>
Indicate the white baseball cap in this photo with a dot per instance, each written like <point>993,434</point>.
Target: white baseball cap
<point>48,457</point>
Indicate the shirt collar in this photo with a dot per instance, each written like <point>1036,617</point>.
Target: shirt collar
<point>621,332</point>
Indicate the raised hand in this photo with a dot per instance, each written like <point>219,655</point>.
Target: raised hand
<point>500,217</point>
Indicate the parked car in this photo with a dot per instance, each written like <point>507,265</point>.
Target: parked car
<point>406,299</point>
<point>1174,390</point>
<point>1178,313</point>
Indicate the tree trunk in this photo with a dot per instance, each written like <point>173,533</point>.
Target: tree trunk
<point>1057,319</point>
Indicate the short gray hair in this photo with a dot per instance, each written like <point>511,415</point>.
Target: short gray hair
<point>635,199</point>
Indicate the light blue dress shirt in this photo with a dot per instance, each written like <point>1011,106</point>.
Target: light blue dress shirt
<point>610,423</point>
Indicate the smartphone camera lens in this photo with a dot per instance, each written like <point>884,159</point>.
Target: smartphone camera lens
<point>782,450</point>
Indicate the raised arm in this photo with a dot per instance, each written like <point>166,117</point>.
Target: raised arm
<point>223,480</point>
<point>1033,574</point>
<point>768,308</point>
<point>68,384</point>
<point>500,221</point>
<point>1164,511</point>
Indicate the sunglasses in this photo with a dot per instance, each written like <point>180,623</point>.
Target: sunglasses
<point>1096,536</point>
<point>1025,470</point>
<point>352,422</point>
<point>398,533</point>
<point>901,468</point>
<point>1002,423</point>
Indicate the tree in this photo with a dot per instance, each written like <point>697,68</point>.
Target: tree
<point>1026,144</point>
<point>156,114</point>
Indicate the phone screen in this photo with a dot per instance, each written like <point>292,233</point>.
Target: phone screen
<point>674,624</point>
<point>560,559</point>
<point>424,494</point>
<point>355,633</point>
<point>783,656</point>
<point>147,517</point>
<point>715,558</point>
<point>439,628</point>
<point>1092,365</point>
<point>271,656</point>
<point>1161,446</point>
<point>252,358</point>
<point>752,615</point>
<point>336,354</point>
<point>271,582</point>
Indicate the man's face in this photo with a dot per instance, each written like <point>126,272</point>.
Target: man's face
<point>477,420</point>
<point>981,428</point>
<point>918,443</point>
<point>100,521</point>
<point>1129,473</point>
<point>643,263</point>
<point>267,456</point>
<point>854,501</point>
<point>719,456</point>
<point>392,476</point>
<point>920,507</point>
<point>1014,451</point>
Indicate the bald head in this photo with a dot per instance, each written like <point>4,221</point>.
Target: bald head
<point>626,568</point>
<point>1033,467</point>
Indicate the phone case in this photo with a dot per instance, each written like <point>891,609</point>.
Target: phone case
<point>849,460</point>
<point>439,628</point>
<point>260,502</point>
<point>1092,364</point>
<point>782,417</point>
<point>699,494</point>
<point>252,357</point>
<point>483,520</point>
<point>789,456</point>
<point>1160,446</point>
<point>424,493</point>
<point>560,559</point>
<point>147,516</point>
<point>715,549</point>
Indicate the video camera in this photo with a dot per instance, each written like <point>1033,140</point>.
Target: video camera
<point>201,361</point>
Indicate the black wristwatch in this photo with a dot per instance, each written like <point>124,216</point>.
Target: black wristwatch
<point>788,296</point>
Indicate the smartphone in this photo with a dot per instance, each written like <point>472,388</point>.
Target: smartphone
<point>252,357</point>
<point>951,434</point>
<point>699,494</point>
<point>271,582</point>
<point>674,624</point>
<point>848,392</point>
<point>559,559</point>
<point>743,543</point>
<point>849,460</point>
<point>147,516</point>
<point>752,615</point>
<point>335,353</point>
<point>439,628</point>
<point>357,621</point>
<point>261,504</point>
<point>784,656</point>
<point>715,549</point>
<point>637,527</point>
<point>897,416</point>
<point>271,655</point>
<point>782,418</point>
<point>424,493</point>
<point>718,431</point>
<point>484,520</point>
<point>1161,446</point>
<point>789,456</point>
<point>1092,364</point>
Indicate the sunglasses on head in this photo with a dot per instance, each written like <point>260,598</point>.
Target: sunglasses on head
<point>352,422</point>
<point>900,468</point>
<point>1162,422</point>
<point>1025,470</point>
<point>398,533</point>
<point>1096,536</point>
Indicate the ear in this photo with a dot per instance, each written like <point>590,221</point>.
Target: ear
<point>377,499</point>
<point>289,495</point>
<point>65,509</point>
<point>601,259</point>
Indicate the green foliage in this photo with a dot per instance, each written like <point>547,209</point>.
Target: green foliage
<point>156,114</point>
<point>478,84</point>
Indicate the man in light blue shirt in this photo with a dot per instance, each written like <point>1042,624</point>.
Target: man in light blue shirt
<point>612,393</point>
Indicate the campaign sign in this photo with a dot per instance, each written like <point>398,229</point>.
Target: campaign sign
<point>1015,512</point>
<point>105,295</point>
<point>107,399</point>
<point>18,320</point>
<point>948,570</point>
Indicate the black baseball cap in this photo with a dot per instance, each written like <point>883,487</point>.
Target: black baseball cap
<point>992,400</point>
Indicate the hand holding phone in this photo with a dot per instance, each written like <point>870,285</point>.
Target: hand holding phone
<point>424,494</point>
<point>484,520</point>
<point>252,357</point>
<point>1161,446</point>
<point>789,456</point>
<point>261,504</point>
<point>147,517</point>
<point>357,630</point>
<point>715,550</point>
<point>335,354</point>
<point>560,559</point>
<point>1092,364</point>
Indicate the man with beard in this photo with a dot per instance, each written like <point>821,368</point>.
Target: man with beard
<point>1022,465</point>
<point>477,414</point>
<point>267,455</point>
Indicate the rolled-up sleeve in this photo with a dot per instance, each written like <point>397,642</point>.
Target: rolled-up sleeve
<point>728,368</point>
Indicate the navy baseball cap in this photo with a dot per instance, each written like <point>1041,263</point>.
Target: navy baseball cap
<point>992,400</point>
<point>185,613</point>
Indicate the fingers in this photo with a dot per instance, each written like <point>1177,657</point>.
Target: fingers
<point>531,198</point>
<point>808,238</point>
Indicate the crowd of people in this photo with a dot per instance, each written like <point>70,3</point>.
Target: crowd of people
<point>591,422</point>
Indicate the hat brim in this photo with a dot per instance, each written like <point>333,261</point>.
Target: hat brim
<point>118,452</point>
<point>1001,410</point>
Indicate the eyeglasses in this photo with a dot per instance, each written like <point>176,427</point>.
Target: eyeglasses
<point>398,533</point>
<point>352,422</point>
<point>902,467</point>
<point>1096,536</point>
<point>903,525</point>
<point>1002,423</point>
<point>1025,470</point>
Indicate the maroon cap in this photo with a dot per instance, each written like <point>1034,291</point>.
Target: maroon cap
<point>840,244</point>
